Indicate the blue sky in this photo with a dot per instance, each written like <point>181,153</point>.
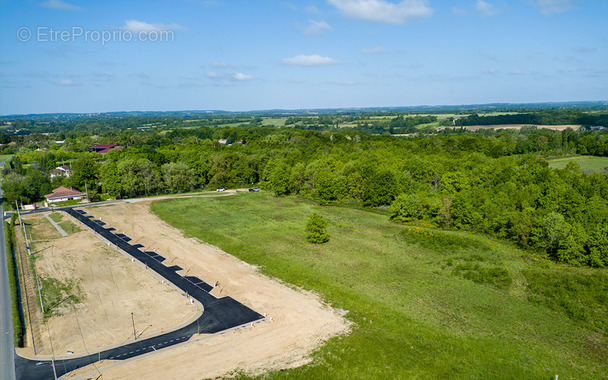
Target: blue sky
<point>97,56</point>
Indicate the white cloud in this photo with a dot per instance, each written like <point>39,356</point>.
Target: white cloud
<point>61,5</point>
<point>309,60</point>
<point>226,79</point>
<point>241,77</point>
<point>222,65</point>
<point>314,27</point>
<point>485,9</point>
<point>312,9</point>
<point>140,26</point>
<point>383,11</point>
<point>67,83</point>
<point>549,7</point>
<point>459,11</point>
<point>376,50</point>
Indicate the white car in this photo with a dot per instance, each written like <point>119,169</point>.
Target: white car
<point>221,189</point>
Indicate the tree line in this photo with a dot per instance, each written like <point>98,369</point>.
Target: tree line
<point>497,183</point>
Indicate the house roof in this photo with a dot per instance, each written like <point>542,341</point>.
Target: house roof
<point>103,146</point>
<point>64,192</point>
<point>102,152</point>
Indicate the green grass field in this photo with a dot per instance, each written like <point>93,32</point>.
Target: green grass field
<point>426,303</point>
<point>586,163</point>
<point>274,121</point>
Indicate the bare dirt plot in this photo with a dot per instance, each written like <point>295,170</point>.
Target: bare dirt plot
<point>300,321</point>
<point>519,126</point>
<point>109,287</point>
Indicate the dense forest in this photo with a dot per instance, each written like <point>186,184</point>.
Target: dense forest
<point>495,182</point>
<point>553,117</point>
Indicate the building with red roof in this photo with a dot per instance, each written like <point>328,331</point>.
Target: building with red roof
<point>62,194</point>
<point>105,148</point>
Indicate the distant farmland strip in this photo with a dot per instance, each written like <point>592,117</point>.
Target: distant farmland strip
<point>519,126</point>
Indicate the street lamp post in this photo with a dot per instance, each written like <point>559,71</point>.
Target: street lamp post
<point>134,333</point>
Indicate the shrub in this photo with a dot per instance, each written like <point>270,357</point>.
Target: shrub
<point>315,229</point>
<point>497,276</point>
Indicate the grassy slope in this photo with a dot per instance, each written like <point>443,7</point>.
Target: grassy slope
<point>415,315</point>
<point>587,163</point>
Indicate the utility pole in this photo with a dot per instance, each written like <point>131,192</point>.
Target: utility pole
<point>27,243</point>
<point>18,213</point>
<point>86,189</point>
<point>40,293</point>
<point>134,333</point>
<point>52,352</point>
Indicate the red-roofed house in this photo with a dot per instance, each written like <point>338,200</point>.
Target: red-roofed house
<point>105,148</point>
<point>62,194</point>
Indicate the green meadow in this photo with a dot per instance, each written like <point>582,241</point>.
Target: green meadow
<point>586,163</point>
<point>425,303</point>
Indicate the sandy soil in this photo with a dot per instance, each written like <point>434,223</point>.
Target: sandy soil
<point>297,321</point>
<point>111,288</point>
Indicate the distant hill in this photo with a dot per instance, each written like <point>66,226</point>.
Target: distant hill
<point>491,107</point>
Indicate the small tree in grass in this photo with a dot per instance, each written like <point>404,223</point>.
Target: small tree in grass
<point>315,229</point>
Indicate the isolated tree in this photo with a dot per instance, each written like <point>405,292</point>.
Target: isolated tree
<point>315,229</point>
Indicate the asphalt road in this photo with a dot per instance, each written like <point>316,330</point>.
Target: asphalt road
<point>219,313</point>
<point>7,348</point>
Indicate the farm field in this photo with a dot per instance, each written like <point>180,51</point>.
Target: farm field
<point>274,121</point>
<point>586,163</point>
<point>519,126</point>
<point>425,303</point>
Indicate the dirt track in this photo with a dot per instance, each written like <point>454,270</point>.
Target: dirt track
<point>300,321</point>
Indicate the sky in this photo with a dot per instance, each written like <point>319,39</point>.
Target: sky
<point>87,56</point>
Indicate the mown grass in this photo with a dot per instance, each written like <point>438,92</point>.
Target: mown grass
<point>415,314</point>
<point>69,227</point>
<point>586,163</point>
